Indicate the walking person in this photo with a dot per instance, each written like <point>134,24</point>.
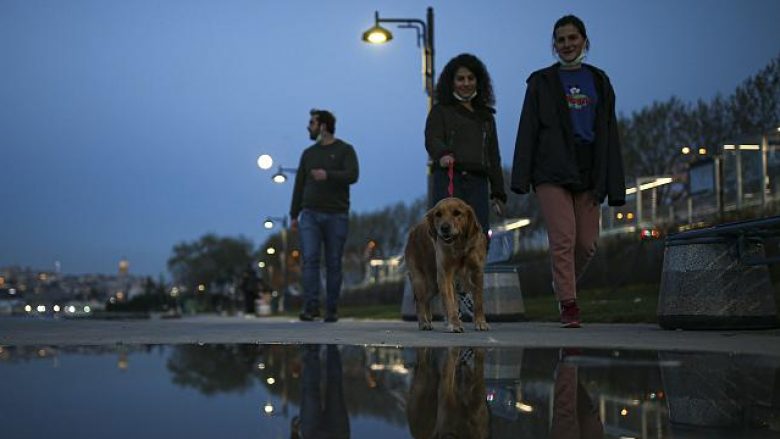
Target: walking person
<point>460,134</point>
<point>568,151</point>
<point>250,287</point>
<point>323,406</point>
<point>320,210</point>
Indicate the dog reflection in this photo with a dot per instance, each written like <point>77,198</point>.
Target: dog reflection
<point>447,395</point>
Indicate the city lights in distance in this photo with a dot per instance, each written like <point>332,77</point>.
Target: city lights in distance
<point>261,264</point>
<point>268,409</point>
<point>271,381</point>
<point>270,250</point>
<point>685,150</point>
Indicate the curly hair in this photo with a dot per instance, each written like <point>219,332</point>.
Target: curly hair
<point>444,88</point>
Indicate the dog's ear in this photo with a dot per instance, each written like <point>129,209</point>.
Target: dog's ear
<point>429,220</point>
<point>473,225</point>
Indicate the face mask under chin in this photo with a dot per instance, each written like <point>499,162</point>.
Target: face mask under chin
<point>576,61</point>
<point>466,99</point>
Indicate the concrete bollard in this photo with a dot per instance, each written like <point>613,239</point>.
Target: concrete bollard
<point>503,299</point>
<point>705,286</point>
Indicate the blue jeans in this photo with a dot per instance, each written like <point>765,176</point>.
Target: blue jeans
<point>318,228</point>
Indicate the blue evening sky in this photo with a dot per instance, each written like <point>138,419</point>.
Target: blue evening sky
<point>129,126</point>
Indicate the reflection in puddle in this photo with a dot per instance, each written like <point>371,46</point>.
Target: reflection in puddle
<point>313,391</point>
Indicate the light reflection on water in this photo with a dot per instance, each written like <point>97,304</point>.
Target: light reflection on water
<point>278,391</point>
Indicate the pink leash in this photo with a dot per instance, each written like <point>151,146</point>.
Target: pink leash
<point>451,174</point>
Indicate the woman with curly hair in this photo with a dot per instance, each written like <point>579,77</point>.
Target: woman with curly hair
<point>460,136</point>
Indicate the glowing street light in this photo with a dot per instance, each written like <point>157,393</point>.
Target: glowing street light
<point>265,162</point>
<point>379,35</point>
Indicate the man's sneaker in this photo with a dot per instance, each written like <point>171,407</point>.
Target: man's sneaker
<point>570,314</point>
<point>308,316</point>
<point>331,318</point>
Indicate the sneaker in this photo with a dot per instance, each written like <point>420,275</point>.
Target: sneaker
<point>570,314</point>
<point>308,316</point>
<point>465,307</point>
<point>331,318</point>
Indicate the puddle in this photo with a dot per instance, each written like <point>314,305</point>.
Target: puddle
<point>313,391</point>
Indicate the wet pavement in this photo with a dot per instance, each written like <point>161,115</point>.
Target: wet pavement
<point>280,378</point>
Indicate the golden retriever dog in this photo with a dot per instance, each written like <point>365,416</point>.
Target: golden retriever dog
<point>447,396</point>
<point>447,246</point>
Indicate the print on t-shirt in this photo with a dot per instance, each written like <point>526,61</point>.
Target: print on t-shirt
<point>576,99</point>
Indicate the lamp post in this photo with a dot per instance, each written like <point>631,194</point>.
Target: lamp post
<point>269,224</point>
<point>379,35</point>
<point>265,162</point>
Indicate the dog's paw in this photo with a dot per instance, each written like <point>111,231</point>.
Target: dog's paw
<point>454,328</point>
<point>481,326</point>
<point>424,326</point>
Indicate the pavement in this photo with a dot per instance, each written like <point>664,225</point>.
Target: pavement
<point>19,331</point>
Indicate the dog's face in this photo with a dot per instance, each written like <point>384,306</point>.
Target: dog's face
<point>451,218</point>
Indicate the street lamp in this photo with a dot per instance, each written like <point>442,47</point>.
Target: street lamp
<point>280,176</point>
<point>269,224</point>
<point>379,35</point>
<point>265,162</point>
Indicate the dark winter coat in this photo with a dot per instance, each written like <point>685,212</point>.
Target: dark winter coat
<point>545,145</point>
<point>471,138</point>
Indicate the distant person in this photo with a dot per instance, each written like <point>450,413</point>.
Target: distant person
<point>321,198</point>
<point>327,417</point>
<point>568,151</point>
<point>460,133</point>
<point>250,287</point>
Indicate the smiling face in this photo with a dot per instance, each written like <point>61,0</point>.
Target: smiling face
<point>465,82</point>
<point>569,42</point>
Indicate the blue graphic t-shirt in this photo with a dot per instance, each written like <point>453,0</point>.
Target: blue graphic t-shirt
<point>581,97</point>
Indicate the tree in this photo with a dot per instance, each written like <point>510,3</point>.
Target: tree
<point>211,260</point>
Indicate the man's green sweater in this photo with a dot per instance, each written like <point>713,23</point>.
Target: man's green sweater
<point>331,195</point>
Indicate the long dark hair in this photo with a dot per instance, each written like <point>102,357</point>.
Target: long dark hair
<point>444,88</point>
